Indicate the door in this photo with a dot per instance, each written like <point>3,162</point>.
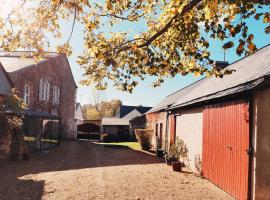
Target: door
<point>172,129</point>
<point>225,142</point>
<point>160,134</point>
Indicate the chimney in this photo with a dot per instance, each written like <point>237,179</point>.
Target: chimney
<point>221,64</point>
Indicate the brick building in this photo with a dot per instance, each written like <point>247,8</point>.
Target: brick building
<point>47,87</point>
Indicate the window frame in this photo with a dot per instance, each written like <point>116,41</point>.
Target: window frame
<point>26,94</point>
<point>56,95</point>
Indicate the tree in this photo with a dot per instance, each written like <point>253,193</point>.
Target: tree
<point>174,41</point>
<point>101,109</point>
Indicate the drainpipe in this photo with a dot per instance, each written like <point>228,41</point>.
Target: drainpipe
<point>167,130</point>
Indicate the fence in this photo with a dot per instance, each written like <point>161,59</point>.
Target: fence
<point>41,134</point>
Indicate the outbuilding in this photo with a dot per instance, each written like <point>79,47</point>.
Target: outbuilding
<point>225,125</point>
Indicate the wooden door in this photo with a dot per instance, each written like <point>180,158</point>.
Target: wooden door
<point>225,144</point>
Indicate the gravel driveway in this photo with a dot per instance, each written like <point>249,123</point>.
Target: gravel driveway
<point>84,171</point>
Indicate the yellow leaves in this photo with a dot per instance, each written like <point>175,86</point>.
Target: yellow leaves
<point>211,9</point>
<point>1,23</point>
<point>266,18</point>
<point>121,56</point>
<point>65,49</point>
<point>251,47</point>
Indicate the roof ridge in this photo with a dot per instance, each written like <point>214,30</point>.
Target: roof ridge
<point>226,67</point>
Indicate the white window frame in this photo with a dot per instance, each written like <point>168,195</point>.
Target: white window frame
<point>56,95</point>
<point>41,89</point>
<point>47,90</point>
<point>44,90</point>
<point>26,95</point>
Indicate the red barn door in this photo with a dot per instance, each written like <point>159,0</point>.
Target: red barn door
<point>225,142</point>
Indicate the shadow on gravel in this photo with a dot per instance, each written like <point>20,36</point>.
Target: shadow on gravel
<point>70,155</point>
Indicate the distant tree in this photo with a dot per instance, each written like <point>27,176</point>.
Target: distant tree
<point>175,39</point>
<point>102,109</point>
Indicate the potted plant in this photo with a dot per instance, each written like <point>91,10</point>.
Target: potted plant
<point>172,155</point>
<point>178,151</point>
<point>160,153</point>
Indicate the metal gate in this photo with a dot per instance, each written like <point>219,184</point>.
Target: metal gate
<point>225,142</point>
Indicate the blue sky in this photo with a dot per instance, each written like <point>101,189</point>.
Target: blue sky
<point>144,93</point>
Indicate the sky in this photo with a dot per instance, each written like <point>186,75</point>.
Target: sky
<point>144,94</point>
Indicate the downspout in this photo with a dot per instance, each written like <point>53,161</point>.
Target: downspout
<point>167,130</point>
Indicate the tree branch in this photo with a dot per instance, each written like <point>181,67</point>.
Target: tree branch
<point>73,24</point>
<point>186,9</point>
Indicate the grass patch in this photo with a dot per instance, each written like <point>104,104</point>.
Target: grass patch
<point>131,145</point>
<point>33,139</point>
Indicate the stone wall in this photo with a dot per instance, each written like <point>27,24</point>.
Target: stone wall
<point>12,144</point>
<point>154,121</point>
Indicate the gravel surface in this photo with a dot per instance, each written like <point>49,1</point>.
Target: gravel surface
<point>82,170</point>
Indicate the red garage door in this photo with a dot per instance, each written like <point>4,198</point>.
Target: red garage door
<point>225,142</point>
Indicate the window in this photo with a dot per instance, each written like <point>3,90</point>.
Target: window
<point>47,90</point>
<point>41,88</point>
<point>26,95</point>
<point>56,95</point>
<point>44,90</point>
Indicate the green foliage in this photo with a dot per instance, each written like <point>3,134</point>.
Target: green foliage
<point>131,145</point>
<point>178,150</point>
<point>105,138</point>
<point>144,138</point>
<point>11,124</point>
<point>10,110</point>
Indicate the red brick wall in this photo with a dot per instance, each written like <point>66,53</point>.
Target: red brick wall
<point>157,118</point>
<point>57,71</point>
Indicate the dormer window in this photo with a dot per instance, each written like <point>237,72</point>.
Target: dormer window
<point>44,90</point>
<point>26,95</point>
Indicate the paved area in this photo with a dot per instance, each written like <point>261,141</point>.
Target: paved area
<point>82,170</point>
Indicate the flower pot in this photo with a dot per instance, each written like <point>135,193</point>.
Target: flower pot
<point>160,153</point>
<point>169,160</point>
<point>176,166</point>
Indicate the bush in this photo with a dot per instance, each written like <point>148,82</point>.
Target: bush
<point>144,138</point>
<point>105,137</point>
<point>178,150</point>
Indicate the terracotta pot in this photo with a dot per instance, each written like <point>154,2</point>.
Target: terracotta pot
<point>176,166</point>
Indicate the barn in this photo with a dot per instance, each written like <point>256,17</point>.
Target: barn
<point>225,125</point>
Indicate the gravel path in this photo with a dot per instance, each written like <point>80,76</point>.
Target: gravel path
<point>85,171</point>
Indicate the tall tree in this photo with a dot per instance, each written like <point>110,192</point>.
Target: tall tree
<point>102,109</point>
<point>173,43</point>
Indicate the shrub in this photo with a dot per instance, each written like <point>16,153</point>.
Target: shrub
<point>144,138</point>
<point>105,137</point>
<point>178,150</point>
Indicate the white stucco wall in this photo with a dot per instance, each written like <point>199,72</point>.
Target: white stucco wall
<point>189,127</point>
